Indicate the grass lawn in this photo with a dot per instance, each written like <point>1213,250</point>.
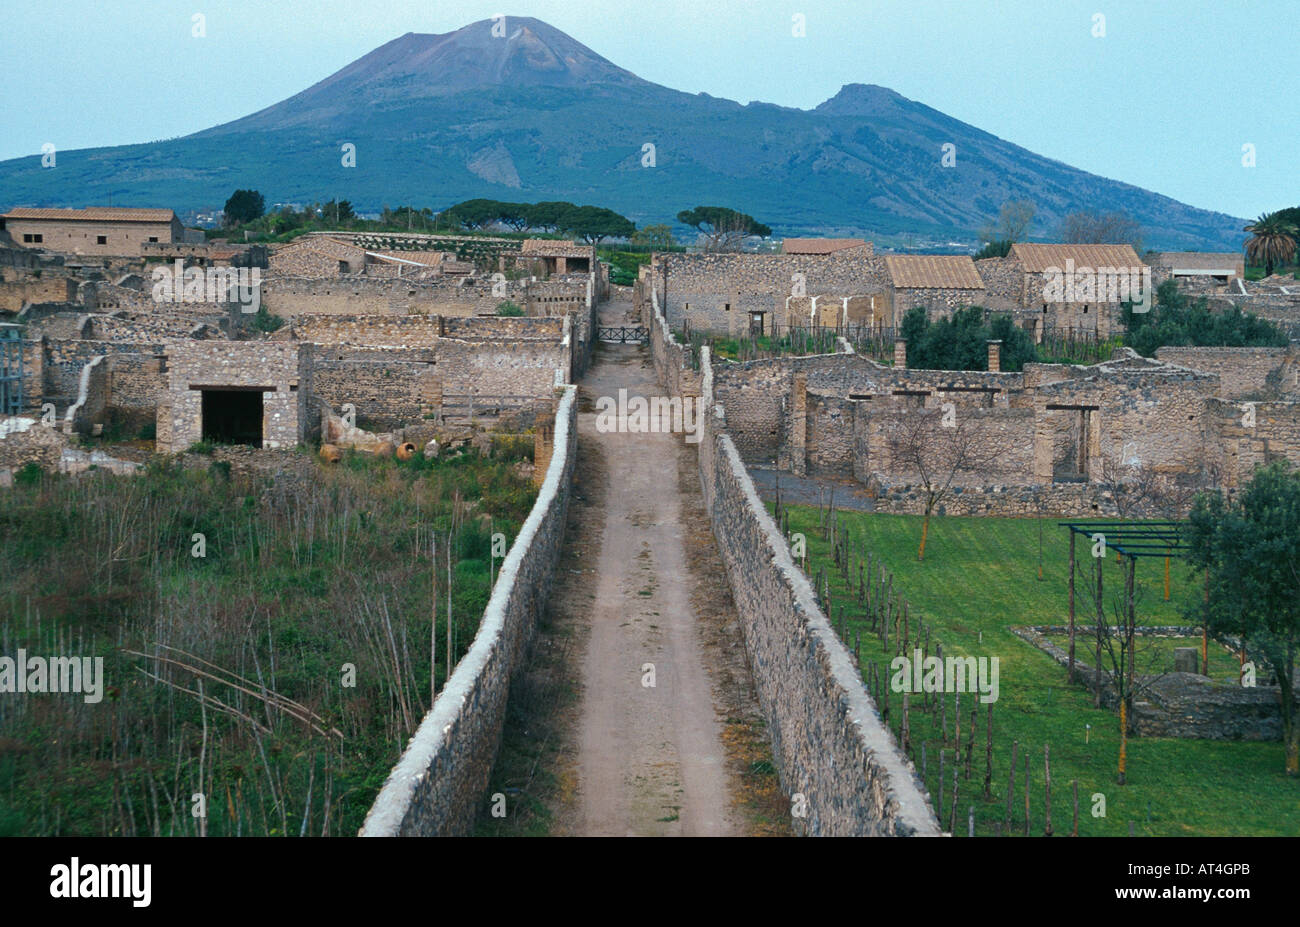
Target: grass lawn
<point>980,577</point>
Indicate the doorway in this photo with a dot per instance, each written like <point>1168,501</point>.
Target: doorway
<point>233,416</point>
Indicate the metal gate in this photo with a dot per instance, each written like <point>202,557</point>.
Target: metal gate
<point>623,334</point>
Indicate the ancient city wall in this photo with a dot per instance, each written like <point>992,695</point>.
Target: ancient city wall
<point>435,787</point>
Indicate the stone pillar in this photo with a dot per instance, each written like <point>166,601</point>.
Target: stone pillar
<point>995,356</point>
<point>798,453</point>
<point>900,353</point>
<point>543,448</point>
<point>1186,660</point>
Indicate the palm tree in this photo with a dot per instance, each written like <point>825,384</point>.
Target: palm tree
<point>1272,241</point>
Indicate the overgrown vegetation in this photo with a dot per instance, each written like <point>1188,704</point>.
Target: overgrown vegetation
<point>266,644</point>
<point>960,342</point>
<point>1177,320</point>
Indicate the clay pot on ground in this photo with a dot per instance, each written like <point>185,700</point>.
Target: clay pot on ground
<point>330,454</point>
<point>405,450</point>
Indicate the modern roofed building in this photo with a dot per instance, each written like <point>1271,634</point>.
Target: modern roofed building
<point>95,230</point>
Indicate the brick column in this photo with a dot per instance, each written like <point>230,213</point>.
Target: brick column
<point>995,356</point>
<point>900,353</point>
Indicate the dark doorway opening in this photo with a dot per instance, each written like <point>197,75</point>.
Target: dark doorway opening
<point>232,416</point>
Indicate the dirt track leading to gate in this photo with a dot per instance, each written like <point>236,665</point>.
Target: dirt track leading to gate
<point>650,760</point>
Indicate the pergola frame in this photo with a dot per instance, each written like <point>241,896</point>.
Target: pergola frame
<point>1131,539</point>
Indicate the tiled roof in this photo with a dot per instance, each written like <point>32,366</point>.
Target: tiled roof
<point>819,245</point>
<point>1199,260</point>
<point>1037,257</point>
<point>322,245</point>
<point>550,247</point>
<point>93,214</point>
<point>933,271</point>
<point>425,258</point>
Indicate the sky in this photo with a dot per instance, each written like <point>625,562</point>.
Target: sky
<point>1195,100</point>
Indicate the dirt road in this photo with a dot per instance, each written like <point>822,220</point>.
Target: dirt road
<point>650,757</point>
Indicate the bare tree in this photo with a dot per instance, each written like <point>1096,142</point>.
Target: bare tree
<point>1087,227</point>
<point>1117,644</point>
<point>1143,492</point>
<point>936,445</point>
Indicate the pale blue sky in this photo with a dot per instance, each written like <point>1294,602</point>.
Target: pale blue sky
<point>1165,100</point>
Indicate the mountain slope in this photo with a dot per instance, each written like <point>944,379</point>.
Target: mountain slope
<point>535,115</point>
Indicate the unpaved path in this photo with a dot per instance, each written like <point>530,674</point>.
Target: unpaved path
<point>588,749</point>
<point>650,758</point>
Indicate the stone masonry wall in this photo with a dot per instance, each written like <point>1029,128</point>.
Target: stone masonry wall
<point>829,743</point>
<point>1242,372</point>
<point>435,788</point>
<point>700,286</point>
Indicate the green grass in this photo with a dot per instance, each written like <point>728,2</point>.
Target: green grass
<point>1156,655</point>
<point>980,578</point>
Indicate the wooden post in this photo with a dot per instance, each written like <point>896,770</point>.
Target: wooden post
<point>857,645</point>
<point>952,823</point>
<point>1070,673</point>
<point>939,791</point>
<point>956,724</point>
<point>924,759</point>
<point>943,703</point>
<point>907,732</point>
<point>988,758</point>
<point>1047,773</point>
<point>1011,784</point>
<point>970,821</point>
<point>1205,628</point>
<point>1075,785</point>
<point>1026,793</point>
<point>1098,563</point>
<point>970,741</point>
<point>1166,579</point>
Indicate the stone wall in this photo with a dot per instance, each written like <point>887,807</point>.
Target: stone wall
<point>937,301</point>
<point>29,289</point>
<point>830,746</point>
<point>436,786</point>
<point>1185,705</point>
<point>282,369</point>
<point>1244,373</point>
<point>708,290</point>
<point>360,295</point>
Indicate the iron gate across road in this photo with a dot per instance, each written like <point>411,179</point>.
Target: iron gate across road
<point>623,334</point>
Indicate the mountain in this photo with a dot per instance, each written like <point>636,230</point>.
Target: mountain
<point>535,115</point>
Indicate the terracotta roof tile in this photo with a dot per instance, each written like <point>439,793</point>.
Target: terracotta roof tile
<point>93,214</point>
<point>933,271</point>
<point>1038,257</point>
<point>820,245</point>
<point>550,247</point>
